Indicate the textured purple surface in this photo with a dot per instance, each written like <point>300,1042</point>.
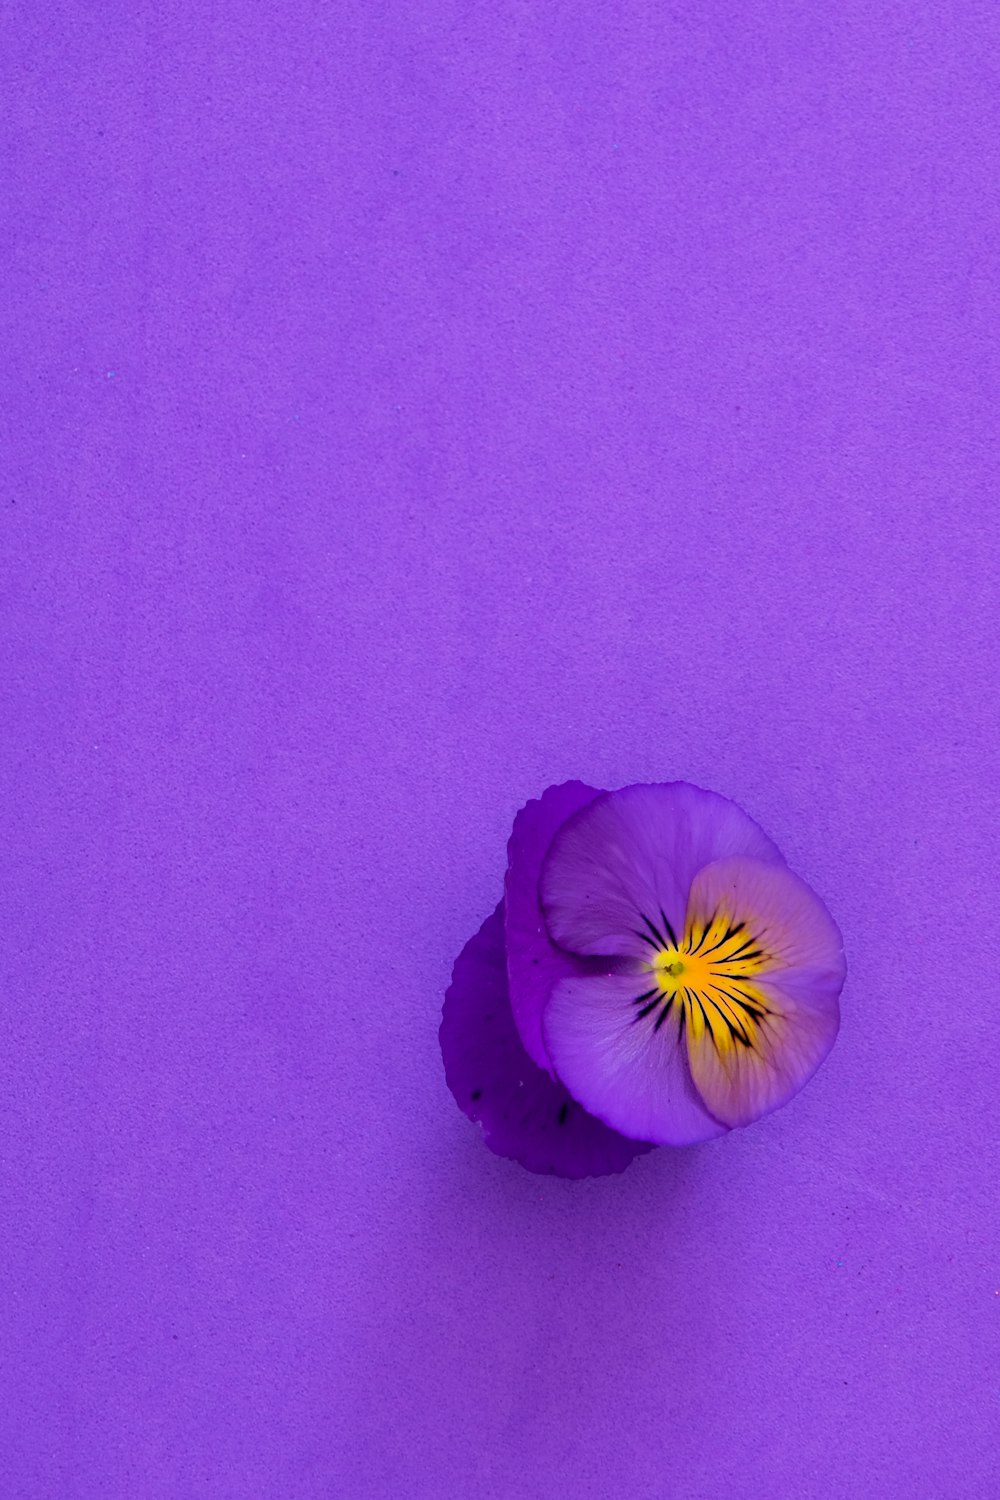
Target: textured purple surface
<point>405,408</point>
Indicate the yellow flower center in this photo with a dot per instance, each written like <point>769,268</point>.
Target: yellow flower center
<point>706,978</point>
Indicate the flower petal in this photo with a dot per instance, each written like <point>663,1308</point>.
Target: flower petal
<point>617,875</point>
<point>534,963</point>
<point>623,1067</point>
<point>785,916</point>
<point>792,1014</point>
<point>524,1113</point>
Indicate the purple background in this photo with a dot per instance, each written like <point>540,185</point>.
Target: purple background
<point>408,406</point>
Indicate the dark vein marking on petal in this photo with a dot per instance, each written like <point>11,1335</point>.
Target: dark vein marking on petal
<point>646,994</point>
<point>708,928</point>
<point>661,940</point>
<point>736,953</point>
<point>671,934</point>
<point>733,1023</point>
<point>664,1013</point>
<point>744,1001</point>
<point>704,1016</point>
<point>725,938</point>
<point>744,958</point>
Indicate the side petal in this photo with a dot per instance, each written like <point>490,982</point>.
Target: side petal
<point>785,1013</point>
<point>784,916</point>
<point>524,1113</point>
<point>617,875</point>
<point>534,963</point>
<point>623,1058</point>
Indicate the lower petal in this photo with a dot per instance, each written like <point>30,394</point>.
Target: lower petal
<point>618,1049</point>
<point>524,1113</point>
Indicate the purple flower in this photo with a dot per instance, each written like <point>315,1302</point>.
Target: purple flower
<point>655,975</point>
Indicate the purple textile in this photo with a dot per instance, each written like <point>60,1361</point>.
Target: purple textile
<point>406,407</point>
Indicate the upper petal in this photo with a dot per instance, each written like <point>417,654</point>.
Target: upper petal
<point>617,874</point>
<point>534,963</point>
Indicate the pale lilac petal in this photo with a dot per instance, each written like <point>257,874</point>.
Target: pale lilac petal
<point>534,963</point>
<point>740,1084</point>
<point>765,1025</point>
<point>617,875</point>
<point>524,1113</point>
<point>785,917</point>
<point>608,1049</point>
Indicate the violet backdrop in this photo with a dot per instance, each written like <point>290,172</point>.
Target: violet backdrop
<point>407,407</point>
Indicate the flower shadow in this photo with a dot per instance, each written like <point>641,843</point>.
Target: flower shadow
<point>515,1302</point>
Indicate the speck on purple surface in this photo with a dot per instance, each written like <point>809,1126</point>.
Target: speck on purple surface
<point>675,460</point>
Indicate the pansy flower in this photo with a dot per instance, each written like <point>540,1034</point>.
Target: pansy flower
<point>654,975</point>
